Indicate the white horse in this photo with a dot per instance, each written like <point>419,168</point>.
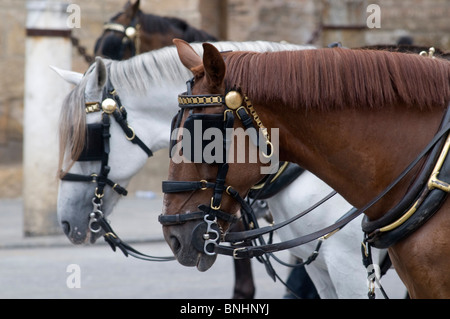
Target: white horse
<point>148,86</point>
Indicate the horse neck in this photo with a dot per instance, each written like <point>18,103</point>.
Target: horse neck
<point>356,152</point>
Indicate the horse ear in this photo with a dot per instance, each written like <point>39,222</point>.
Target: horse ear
<point>214,65</point>
<point>132,8</point>
<point>188,56</point>
<point>96,79</point>
<point>100,72</point>
<point>69,76</point>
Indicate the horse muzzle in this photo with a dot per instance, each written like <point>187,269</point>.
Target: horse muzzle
<point>187,242</point>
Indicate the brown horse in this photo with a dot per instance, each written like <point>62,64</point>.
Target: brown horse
<point>355,118</point>
<point>131,32</point>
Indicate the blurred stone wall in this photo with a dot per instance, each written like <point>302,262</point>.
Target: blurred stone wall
<point>296,21</point>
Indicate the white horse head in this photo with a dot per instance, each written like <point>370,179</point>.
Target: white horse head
<point>148,86</point>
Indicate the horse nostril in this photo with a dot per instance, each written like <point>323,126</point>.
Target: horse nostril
<point>175,244</point>
<point>66,228</point>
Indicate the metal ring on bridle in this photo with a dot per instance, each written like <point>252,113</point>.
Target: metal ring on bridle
<point>132,136</point>
<point>270,145</point>
<point>93,219</point>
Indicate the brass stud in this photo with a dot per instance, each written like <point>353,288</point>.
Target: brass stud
<point>109,106</point>
<point>233,100</point>
<point>130,32</point>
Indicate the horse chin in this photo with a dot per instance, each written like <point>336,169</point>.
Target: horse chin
<point>195,259</point>
<point>179,239</point>
<point>83,238</point>
<point>204,262</point>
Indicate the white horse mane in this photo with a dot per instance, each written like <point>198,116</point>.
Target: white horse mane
<point>157,67</point>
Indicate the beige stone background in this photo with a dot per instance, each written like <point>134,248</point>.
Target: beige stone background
<point>299,21</point>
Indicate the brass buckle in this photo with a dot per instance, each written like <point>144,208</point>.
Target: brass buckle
<point>214,207</point>
<point>204,187</point>
<point>235,252</point>
<point>110,234</point>
<point>225,114</point>
<point>99,196</point>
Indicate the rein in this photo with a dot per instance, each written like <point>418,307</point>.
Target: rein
<point>189,101</point>
<point>97,148</point>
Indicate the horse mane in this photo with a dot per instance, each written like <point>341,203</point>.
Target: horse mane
<point>158,24</point>
<point>158,67</point>
<point>340,78</point>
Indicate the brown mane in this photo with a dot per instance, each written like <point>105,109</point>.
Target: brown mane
<point>338,78</point>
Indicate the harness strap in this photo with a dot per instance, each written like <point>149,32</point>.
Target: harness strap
<point>251,234</point>
<point>120,117</point>
<point>115,242</point>
<point>182,186</point>
<point>94,178</point>
<point>249,252</point>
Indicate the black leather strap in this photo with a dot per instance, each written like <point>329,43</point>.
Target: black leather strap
<point>184,186</point>
<point>168,220</point>
<point>249,252</point>
<point>131,135</point>
<point>414,191</point>
<point>115,242</point>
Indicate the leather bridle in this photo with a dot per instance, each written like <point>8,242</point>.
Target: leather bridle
<point>130,36</point>
<point>97,148</point>
<point>205,239</point>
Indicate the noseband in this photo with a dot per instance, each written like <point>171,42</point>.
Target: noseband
<point>205,239</point>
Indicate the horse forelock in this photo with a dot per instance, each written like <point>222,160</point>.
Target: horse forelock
<point>340,78</point>
<point>72,127</point>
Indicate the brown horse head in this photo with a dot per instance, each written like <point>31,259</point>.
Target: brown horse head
<point>209,76</point>
<point>121,38</point>
<point>131,32</point>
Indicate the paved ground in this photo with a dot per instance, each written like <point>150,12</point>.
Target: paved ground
<point>47,267</point>
<point>38,267</point>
